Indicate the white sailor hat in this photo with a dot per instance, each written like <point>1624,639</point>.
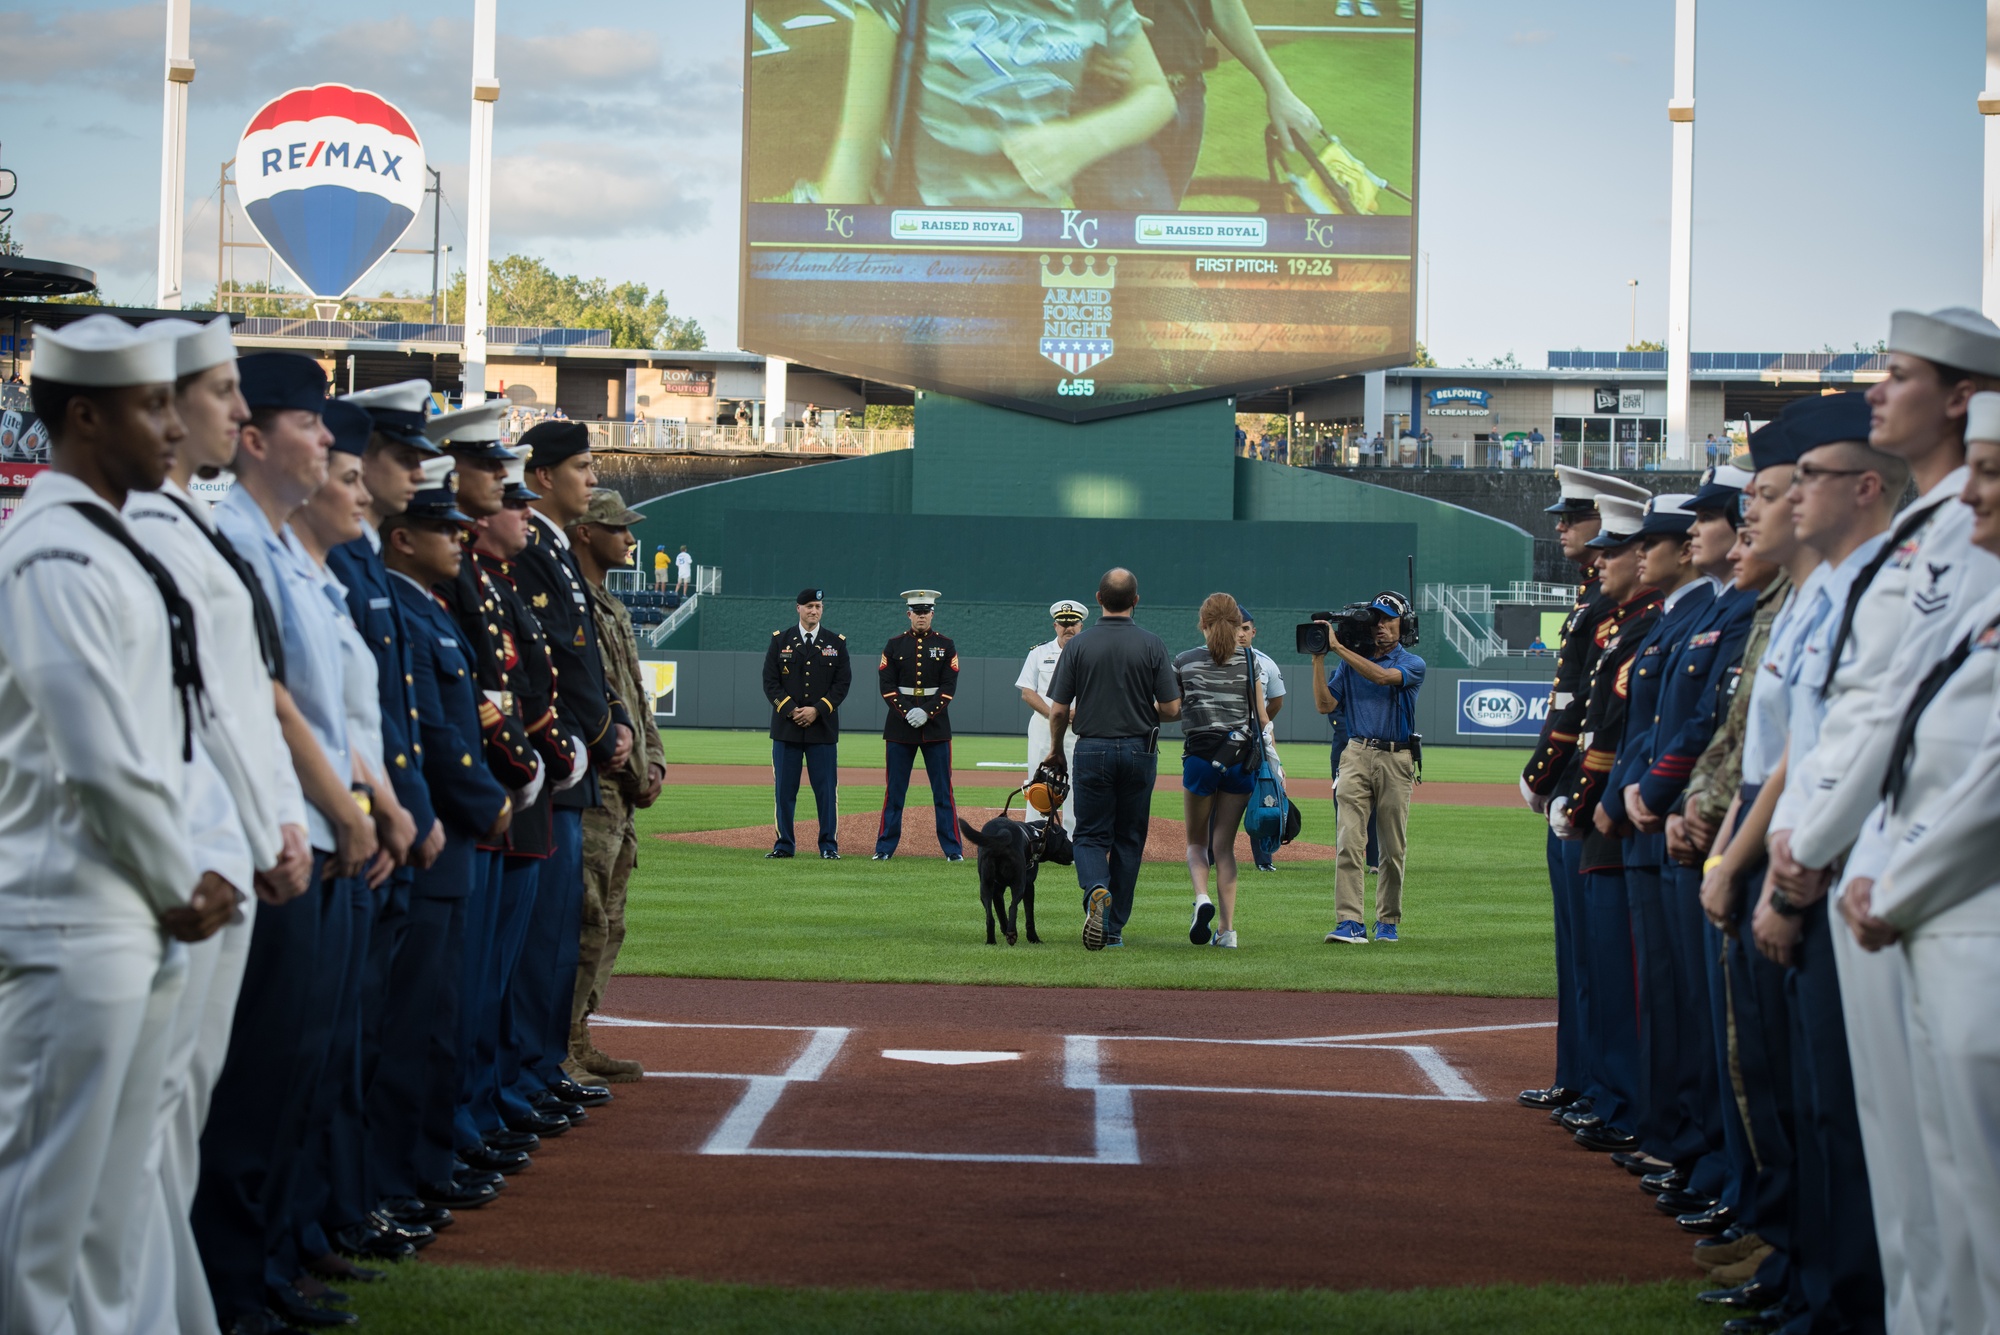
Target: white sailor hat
<point>474,430</point>
<point>1982,417</point>
<point>1069,609</point>
<point>1956,336</point>
<point>1622,520</point>
<point>197,347</point>
<point>1581,490</point>
<point>102,352</point>
<point>921,599</point>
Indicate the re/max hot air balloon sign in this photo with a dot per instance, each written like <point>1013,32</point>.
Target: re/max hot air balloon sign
<point>331,178</point>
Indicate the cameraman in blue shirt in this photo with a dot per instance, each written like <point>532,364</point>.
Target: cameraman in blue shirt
<point>1377,695</point>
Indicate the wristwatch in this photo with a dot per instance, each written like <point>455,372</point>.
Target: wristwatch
<point>364,797</point>
<point>1781,904</point>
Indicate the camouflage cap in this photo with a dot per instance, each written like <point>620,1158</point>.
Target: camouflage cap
<point>608,510</point>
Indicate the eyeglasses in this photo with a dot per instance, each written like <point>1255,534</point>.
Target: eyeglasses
<point>1813,472</point>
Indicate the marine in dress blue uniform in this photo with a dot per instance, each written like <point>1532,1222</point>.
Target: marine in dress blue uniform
<point>918,673</point>
<point>807,669</point>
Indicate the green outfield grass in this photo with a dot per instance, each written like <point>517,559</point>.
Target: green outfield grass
<point>1475,913</point>
<point>456,1300</point>
<point>714,746</point>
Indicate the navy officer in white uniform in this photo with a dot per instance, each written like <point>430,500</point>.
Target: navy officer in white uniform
<point>1033,683</point>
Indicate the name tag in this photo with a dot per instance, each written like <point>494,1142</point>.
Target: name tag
<point>379,604</point>
<point>447,643</point>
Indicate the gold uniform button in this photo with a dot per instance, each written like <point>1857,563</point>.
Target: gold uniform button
<point>402,762</point>
<point>465,760</point>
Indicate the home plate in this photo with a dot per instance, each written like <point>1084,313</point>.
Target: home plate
<point>947,1056</point>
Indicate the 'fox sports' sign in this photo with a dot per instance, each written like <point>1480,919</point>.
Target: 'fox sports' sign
<point>1501,708</point>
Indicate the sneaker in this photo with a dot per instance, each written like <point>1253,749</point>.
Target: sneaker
<point>777,853</point>
<point>1266,866</point>
<point>1349,932</point>
<point>830,856</point>
<point>954,857</point>
<point>1114,943</point>
<point>1099,905</point>
<point>1385,931</point>
<point>1227,940</point>
<point>882,857</point>
<point>1204,914</point>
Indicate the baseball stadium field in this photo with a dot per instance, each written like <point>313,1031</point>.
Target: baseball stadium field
<point>860,1117</point>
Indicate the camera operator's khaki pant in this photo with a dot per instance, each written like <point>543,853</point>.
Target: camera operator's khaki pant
<point>1377,781</point>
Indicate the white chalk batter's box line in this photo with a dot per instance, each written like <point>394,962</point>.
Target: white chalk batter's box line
<point>1116,1130</point>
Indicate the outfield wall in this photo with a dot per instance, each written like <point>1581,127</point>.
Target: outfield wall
<point>725,690</point>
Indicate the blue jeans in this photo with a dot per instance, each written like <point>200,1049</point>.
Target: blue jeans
<point>1113,779</point>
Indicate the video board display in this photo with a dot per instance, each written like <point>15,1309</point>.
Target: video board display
<point>1081,207</point>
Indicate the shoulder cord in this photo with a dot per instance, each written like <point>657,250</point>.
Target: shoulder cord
<point>1250,699</point>
<point>270,643</point>
<point>1897,777</point>
<point>1911,523</point>
<point>180,617</point>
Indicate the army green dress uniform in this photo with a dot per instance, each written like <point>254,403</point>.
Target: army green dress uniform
<point>802,668</point>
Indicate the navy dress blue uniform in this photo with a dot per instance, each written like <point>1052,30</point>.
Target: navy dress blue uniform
<point>801,669</point>
<point>918,670</point>
<point>414,1098</point>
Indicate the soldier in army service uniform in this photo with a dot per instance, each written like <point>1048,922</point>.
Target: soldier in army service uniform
<point>919,672</point>
<point>806,676</point>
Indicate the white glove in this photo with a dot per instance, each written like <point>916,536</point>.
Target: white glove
<point>917,717</point>
<point>1559,818</point>
<point>1536,802</point>
<point>525,797</point>
<point>576,775</point>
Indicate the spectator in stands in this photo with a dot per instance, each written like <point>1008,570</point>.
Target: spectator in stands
<point>1535,439</point>
<point>661,563</point>
<point>1713,448</point>
<point>683,572</point>
<point>1242,442</point>
<point>1537,647</point>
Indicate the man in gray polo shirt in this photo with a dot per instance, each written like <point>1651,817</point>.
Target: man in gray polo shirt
<point>1118,680</point>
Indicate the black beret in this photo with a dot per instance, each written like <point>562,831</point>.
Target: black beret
<point>549,443</point>
<point>282,380</point>
<point>811,596</point>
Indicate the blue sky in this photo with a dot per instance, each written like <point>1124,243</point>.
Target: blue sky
<point>1837,152</point>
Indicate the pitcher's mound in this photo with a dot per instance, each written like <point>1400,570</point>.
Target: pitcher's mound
<point>1166,842</point>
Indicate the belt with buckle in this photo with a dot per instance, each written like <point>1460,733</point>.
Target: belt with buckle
<point>919,690</point>
<point>1377,744</point>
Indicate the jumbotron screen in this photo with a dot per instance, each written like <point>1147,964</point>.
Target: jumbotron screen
<point>1081,207</point>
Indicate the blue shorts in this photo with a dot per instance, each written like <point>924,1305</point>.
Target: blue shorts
<point>1203,777</point>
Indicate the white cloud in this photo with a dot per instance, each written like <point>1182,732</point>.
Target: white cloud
<point>583,189</point>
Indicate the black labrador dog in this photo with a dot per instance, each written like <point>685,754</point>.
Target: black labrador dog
<point>1010,853</point>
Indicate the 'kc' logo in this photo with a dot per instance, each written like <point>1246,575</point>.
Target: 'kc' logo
<point>1074,224</point>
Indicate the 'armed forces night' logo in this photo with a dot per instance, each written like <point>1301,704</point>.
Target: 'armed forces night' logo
<point>1076,312</point>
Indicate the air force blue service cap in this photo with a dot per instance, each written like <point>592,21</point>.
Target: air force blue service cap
<point>1621,520</point>
<point>351,427</point>
<point>437,498</point>
<point>1826,419</point>
<point>399,411</point>
<point>1722,488</point>
<point>102,352</point>
<point>282,380</point>
<point>474,432</point>
<point>1773,445</point>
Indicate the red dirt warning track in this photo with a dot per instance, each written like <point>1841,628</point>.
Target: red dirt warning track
<point>1098,1158</point>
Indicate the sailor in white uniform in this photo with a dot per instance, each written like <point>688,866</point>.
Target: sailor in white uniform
<point>246,812</point>
<point>1068,615</point>
<point>1899,621</point>
<point>98,884</point>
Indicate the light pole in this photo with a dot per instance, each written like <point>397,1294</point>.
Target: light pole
<point>1633,337</point>
<point>1427,287</point>
<point>173,157</point>
<point>1680,246</point>
<point>1989,110</point>
<point>479,210</point>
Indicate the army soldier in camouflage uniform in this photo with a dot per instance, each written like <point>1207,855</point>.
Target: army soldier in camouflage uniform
<point>602,541</point>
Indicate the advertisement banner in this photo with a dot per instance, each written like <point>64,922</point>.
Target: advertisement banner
<point>661,681</point>
<point>1501,708</point>
<point>1081,207</point>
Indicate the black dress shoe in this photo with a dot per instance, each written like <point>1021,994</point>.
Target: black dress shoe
<point>1605,1140</point>
<point>335,1266</point>
<point>1555,1096</point>
<point>513,1142</point>
<point>1754,1324</point>
<point>548,1105</point>
<point>410,1210</point>
<point>364,1242</point>
<point>535,1124</point>
<point>416,1235</point>
<point>444,1197</point>
<point>478,1177</point>
<point>1639,1163</point>
<point>1712,1220</point>
<point>262,1323</point>
<point>589,1096</point>
<point>1683,1202</point>
<point>1673,1179</point>
<point>496,1161</point>
<point>1749,1296</point>
<point>292,1305</point>
<point>1581,1121</point>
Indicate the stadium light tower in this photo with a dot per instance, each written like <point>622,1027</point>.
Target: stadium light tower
<point>1989,107</point>
<point>173,156</point>
<point>1680,245</point>
<point>479,187</point>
